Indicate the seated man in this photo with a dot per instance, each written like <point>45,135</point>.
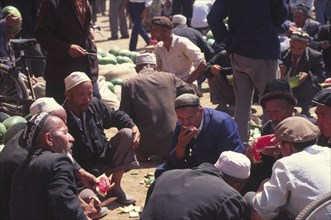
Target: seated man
<point>298,178</point>
<point>148,99</point>
<point>201,135</point>
<point>204,192</point>
<point>43,185</point>
<point>16,150</point>
<point>87,119</point>
<point>307,65</point>
<point>323,112</point>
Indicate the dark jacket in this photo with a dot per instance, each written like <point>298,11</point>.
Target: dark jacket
<point>58,27</point>
<point>196,194</point>
<point>99,117</point>
<point>251,26</point>
<point>44,188</point>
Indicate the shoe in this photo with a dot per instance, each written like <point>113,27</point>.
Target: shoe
<point>125,36</point>
<point>102,213</point>
<point>113,38</point>
<point>122,197</point>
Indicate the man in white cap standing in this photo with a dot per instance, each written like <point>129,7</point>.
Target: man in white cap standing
<point>298,178</point>
<point>87,119</point>
<point>148,98</point>
<point>204,192</point>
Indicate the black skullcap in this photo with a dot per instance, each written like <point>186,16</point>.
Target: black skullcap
<point>187,100</point>
<point>323,97</point>
<point>33,127</point>
<point>277,89</point>
<point>300,35</point>
<point>162,21</point>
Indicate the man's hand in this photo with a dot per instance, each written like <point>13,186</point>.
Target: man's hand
<point>76,51</point>
<point>303,77</point>
<point>136,137</point>
<point>184,138</point>
<point>216,69</point>
<point>87,178</point>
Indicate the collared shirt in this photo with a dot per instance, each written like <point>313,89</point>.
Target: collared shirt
<point>147,2</point>
<point>181,59</point>
<point>296,181</point>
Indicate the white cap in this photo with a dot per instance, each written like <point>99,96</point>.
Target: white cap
<point>146,58</point>
<point>179,19</point>
<point>74,79</point>
<point>234,164</point>
<point>44,104</point>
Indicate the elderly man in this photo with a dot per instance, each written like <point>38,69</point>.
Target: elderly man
<point>299,177</point>
<point>201,135</point>
<point>306,64</point>
<point>323,112</point>
<point>87,119</point>
<point>44,186</point>
<point>148,99</point>
<point>16,150</point>
<point>204,192</point>
<point>176,54</point>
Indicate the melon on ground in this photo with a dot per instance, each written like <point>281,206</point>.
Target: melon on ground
<point>13,120</point>
<point>12,131</point>
<point>2,131</point>
<point>3,116</point>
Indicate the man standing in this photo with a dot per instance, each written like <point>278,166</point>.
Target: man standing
<point>204,192</point>
<point>64,30</point>
<point>323,112</point>
<point>44,186</point>
<point>116,17</point>
<point>252,43</point>
<point>87,119</point>
<point>299,177</point>
<point>148,99</point>
<point>175,54</point>
<point>201,135</point>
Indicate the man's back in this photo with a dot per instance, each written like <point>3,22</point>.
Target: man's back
<point>299,179</point>
<point>44,188</point>
<point>200,193</point>
<point>148,99</point>
<point>251,26</point>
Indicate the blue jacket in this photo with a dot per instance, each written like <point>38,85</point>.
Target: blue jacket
<point>251,26</point>
<point>219,133</point>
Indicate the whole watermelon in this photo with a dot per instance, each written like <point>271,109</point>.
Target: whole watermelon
<point>14,11</point>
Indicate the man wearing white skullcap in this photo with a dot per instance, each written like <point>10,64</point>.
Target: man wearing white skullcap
<point>87,119</point>
<point>148,98</point>
<point>15,152</point>
<point>204,192</point>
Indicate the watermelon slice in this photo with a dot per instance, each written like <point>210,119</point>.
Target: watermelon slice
<point>261,143</point>
<point>103,185</point>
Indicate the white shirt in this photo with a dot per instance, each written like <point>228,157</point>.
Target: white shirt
<point>181,59</point>
<point>147,2</point>
<point>296,181</point>
<point>201,9</point>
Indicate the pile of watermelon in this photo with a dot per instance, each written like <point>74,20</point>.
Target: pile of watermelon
<point>116,55</point>
<point>9,126</point>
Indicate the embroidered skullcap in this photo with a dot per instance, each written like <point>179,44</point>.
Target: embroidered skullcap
<point>179,19</point>
<point>146,58</point>
<point>44,104</point>
<point>323,97</point>
<point>74,79</point>
<point>33,127</point>
<point>187,100</point>
<point>296,130</point>
<point>234,164</point>
<point>162,21</point>
<point>300,35</point>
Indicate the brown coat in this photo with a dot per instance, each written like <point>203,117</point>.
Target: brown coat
<point>58,27</point>
<point>149,100</point>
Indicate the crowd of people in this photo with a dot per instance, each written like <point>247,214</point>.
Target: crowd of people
<point>279,49</point>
